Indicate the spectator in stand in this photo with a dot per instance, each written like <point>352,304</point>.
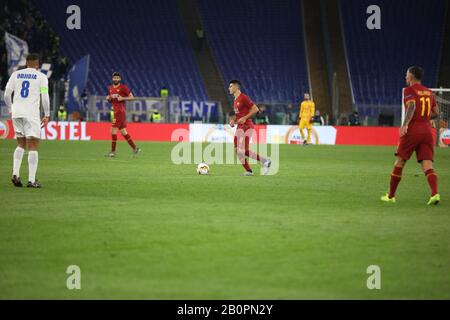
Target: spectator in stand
<point>164,92</point>
<point>136,118</point>
<point>19,18</point>
<point>317,119</point>
<point>261,117</point>
<point>353,119</point>
<point>200,35</point>
<point>291,115</point>
<point>62,113</point>
<point>156,116</point>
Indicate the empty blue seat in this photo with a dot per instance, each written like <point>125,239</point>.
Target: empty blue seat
<point>145,41</point>
<point>378,59</point>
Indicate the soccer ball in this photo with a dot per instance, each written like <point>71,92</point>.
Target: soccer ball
<point>202,168</point>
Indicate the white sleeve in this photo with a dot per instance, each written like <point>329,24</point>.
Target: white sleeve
<point>8,92</point>
<point>44,95</point>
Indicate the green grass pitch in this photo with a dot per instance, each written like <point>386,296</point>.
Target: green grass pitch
<point>145,228</point>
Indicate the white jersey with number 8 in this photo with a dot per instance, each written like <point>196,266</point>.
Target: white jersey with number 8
<point>28,85</point>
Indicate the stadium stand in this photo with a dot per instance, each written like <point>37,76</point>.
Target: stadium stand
<point>268,58</point>
<point>30,26</point>
<point>378,59</point>
<point>157,55</point>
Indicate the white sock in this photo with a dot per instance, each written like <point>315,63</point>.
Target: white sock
<point>32,165</point>
<point>18,155</point>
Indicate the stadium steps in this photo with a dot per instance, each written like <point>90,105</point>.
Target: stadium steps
<point>213,82</point>
<point>337,55</point>
<point>267,55</point>
<point>444,70</point>
<point>315,52</point>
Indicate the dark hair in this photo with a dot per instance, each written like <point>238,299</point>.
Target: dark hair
<point>32,57</point>
<point>416,71</point>
<point>116,74</point>
<point>235,82</point>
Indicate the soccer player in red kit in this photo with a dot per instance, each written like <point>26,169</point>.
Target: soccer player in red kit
<point>118,94</point>
<point>244,110</point>
<point>416,134</point>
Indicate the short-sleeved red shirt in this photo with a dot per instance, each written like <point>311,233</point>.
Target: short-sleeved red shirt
<point>114,92</point>
<point>242,107</point>
<point>425,101</point>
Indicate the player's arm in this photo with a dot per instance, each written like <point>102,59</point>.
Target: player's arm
<point>253,110</point>
<point>410,108</point>
<point>232,118</point>
<point>434,110</point>
<point>9,90</point>
<point>128,98</point>
<point>313,111</point>
<point>300,112</point>
<point>45,101</point>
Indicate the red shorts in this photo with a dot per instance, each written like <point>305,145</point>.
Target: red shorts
<point>242,137</point>
<point>434,133</point>
<point>120,120</point>
<point>422,144</point>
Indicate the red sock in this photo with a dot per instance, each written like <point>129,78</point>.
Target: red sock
<point>432,181</point>
<point>396,176</point>
<point>244,162</point>
<point>114,142</point>
<point>254,155</point>
<point>130,141</point>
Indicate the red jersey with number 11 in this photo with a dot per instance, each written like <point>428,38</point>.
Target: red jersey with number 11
<point>425,101</point>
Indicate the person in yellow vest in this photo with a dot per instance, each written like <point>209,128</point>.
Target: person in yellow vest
<point>62,114</point>
<point>307,110</point>
<point>164,92</point>
<point>156,116</point>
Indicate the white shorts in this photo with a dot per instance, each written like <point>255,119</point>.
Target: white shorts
<point>25,127</point>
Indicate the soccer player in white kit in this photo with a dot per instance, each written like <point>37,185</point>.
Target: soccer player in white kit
<point>24,92</point>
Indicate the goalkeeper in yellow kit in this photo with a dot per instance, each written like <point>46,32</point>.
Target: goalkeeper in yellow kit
<point>307,110</point>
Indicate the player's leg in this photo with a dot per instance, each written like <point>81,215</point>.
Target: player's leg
<point>425,155</point>
<point>130,141</point>
<point>430,174</point>
<point>114,138</point>
<point>396,177</point>
<point>248,153</point>
<point>33,160</point>
<point>308,128</point>
<point>17,161</point>
<point>114,129</point>
<point>301,126</point>
<point>19,130</point>
<point>239,148</point>
<point>405,148</point>
<point>32,130</point>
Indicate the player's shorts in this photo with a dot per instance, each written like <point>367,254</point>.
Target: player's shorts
<point>305,123</point>
<point>434,133</point>
<point>120,120</point>
<point>27,127</point>
<point>242,138</point>
<point>422,144</point>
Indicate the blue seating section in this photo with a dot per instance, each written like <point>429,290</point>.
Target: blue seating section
<point>144,40</point>
<point>411,34</point>
<point>261,43</point>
